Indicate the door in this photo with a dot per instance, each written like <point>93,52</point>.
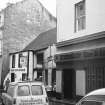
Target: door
<point>23,95</point>
<point>69,83</point>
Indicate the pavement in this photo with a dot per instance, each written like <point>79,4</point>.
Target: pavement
<point>62,101</point>
<point>59,100</point>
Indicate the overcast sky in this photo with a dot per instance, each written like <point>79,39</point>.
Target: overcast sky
<point>48,4</point>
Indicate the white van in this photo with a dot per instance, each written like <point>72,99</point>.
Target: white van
<point>25,93</point>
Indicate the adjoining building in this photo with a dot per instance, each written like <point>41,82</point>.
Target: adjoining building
<point>80,58</point>
<point>22,22</point>
<point>36,61</point>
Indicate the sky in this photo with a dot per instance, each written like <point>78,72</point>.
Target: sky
<point>50,5</point>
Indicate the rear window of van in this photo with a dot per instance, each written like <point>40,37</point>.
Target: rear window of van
<point>23,90</point>
<point>10,90</point>
<point>36,90</point>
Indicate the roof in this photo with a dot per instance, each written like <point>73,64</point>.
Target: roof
<point>43,40</point>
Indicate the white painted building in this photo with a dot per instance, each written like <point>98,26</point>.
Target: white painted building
<point>94,18</point>
<point>80,47</point>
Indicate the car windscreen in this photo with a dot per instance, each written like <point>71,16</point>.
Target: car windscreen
<point>36,90</point>
<point>91,103</point>
<point>23,90</point>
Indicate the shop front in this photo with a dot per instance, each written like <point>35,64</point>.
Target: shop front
<point>80,72</point>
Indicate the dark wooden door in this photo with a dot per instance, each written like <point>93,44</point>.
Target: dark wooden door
<point>69,83</point>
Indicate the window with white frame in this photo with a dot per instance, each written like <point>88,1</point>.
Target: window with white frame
<point>80,17</point>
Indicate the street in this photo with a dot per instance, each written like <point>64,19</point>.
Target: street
<point>50,103</point>
<point>57,103</point>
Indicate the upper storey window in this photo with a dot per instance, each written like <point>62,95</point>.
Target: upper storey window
<point>80,17</point>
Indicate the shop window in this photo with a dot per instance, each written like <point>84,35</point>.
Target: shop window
<point>80,18</point>
<point>95,77</point>
<point>12,77</point>
<point>39,75</point>
<point>13,61</point>
<point>24,76</point>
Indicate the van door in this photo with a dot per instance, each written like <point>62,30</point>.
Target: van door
<point>8,97</point>
<point>23,95</point>
<point>38,94</point>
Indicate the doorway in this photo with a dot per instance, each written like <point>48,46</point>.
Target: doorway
<point>69,83</point>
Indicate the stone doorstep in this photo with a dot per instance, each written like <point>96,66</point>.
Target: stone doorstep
<point>64,101</point>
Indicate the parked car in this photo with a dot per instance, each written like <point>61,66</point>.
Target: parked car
<point>96,97</point>
<point>25,93</point>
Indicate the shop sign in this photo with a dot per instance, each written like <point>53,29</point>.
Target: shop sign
<point>81,55</point>
<point>24,70</point>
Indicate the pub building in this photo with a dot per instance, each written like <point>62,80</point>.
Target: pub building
<point>80,54</point>
<point>36,61</point>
